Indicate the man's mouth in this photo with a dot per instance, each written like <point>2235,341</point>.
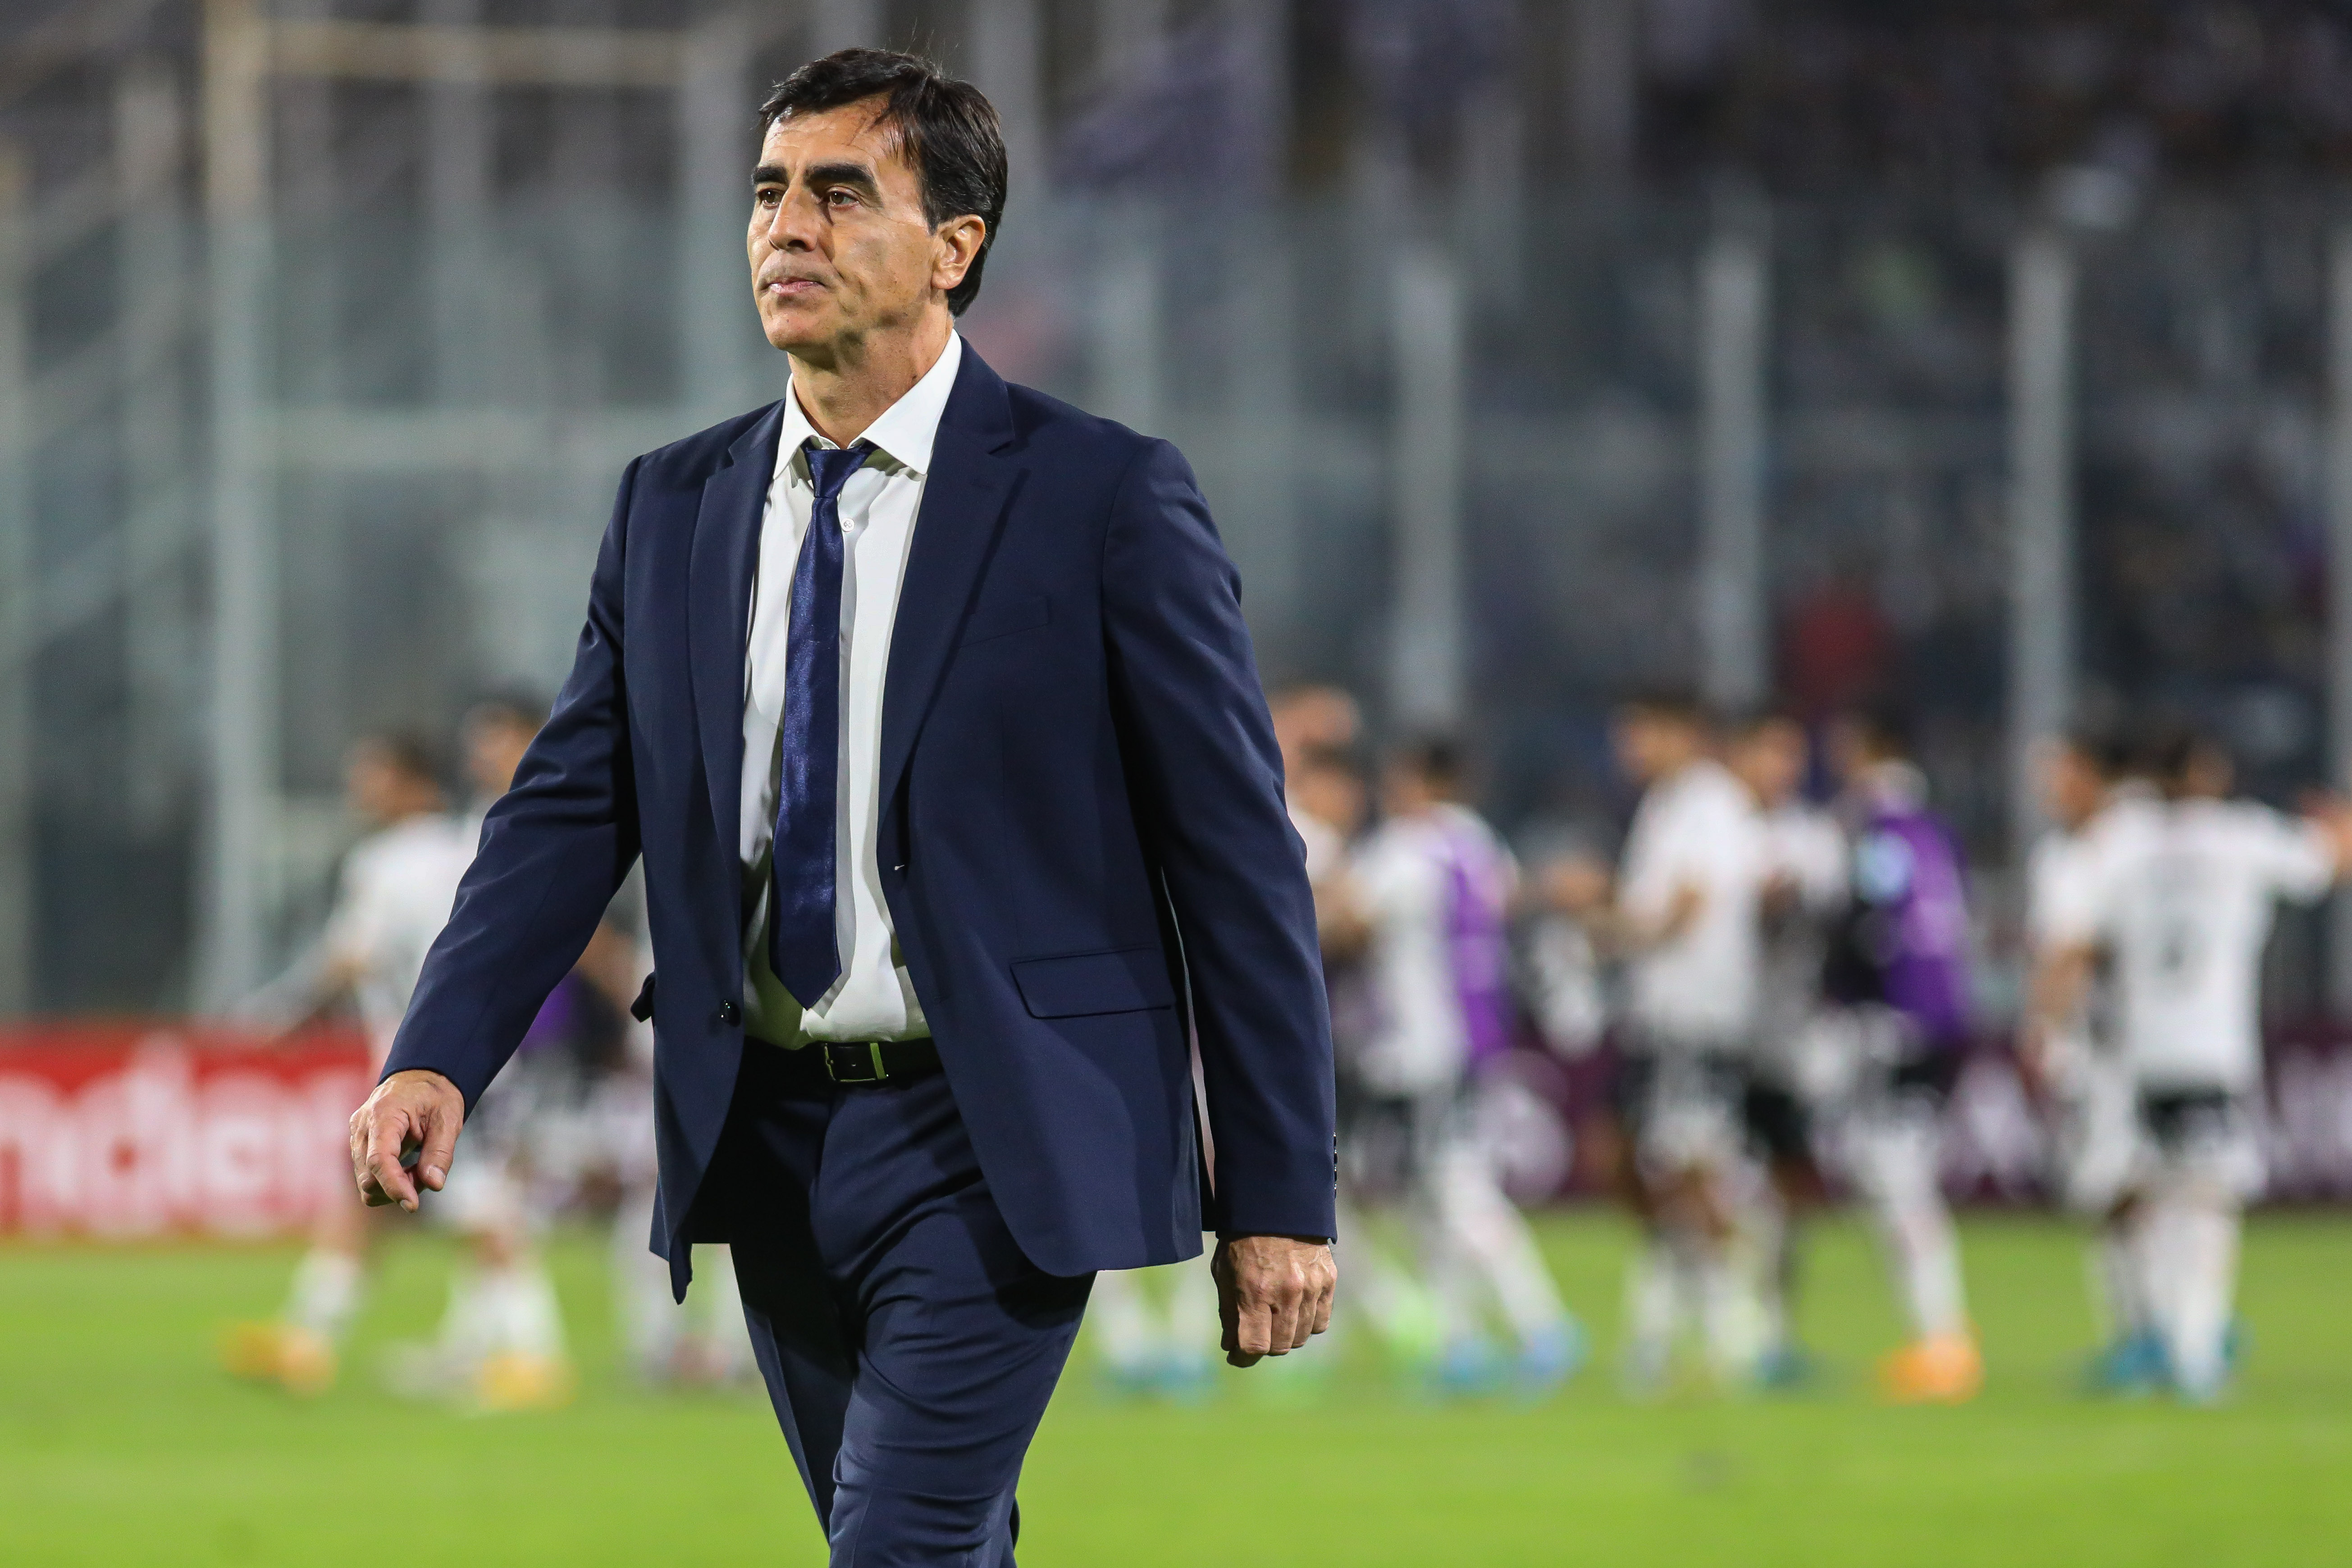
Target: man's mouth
<point>790,288</point>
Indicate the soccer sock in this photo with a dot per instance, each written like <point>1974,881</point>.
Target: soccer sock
<point>725,1338</point>
<point>325,1294</point>
<point>1191,1329</point>
<point>1731,1316</point>
<point>1392,1301</point>
<point>2204,1266</point>
<point>2148,1251</point>
<point>1449,1271</point>
<point>523,1315</point>
<point>1898,1172</point>
<point>1495,1239</point>
<point>651,1322</point>
<point>1767,1247</point>
<point>1653,1310</point>
<point>1927,1256</point>
<point>469,1326</point>
<point>2116,1283</point>
<point>1122,1320</point>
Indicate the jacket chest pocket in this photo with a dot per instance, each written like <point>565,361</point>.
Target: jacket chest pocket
<point>1002,618</point>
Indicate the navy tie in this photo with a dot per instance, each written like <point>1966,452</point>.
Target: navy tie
<point>801,943</point>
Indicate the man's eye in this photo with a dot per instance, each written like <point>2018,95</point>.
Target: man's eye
<point>841,198</point>
<point>767,195</point>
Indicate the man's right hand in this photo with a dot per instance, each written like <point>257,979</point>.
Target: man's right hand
<point>415,1109</point>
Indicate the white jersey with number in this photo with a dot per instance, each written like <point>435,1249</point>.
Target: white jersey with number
<point>395,894</point>
<point>1698,830</point>
<point>2182,897</point>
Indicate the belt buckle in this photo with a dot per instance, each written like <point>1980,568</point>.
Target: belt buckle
<point>855,1061</point>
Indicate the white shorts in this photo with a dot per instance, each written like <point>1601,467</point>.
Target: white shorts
<point>2199,1139</point>
<point>1681,1110</point>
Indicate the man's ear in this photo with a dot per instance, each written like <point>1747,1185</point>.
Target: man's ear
<point>958,240</point>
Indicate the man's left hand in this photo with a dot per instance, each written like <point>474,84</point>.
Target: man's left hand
<point>1273,1293</point>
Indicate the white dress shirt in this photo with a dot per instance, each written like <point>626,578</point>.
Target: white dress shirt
<point>872,999</point>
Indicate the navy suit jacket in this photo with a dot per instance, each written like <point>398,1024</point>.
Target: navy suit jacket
<point>1083,837</point>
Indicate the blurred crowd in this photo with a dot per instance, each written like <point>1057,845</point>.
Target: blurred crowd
<point>1815,95</point>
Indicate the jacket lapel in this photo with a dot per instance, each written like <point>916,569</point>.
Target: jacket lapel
<point>725,553</point>
<point>963,502</point>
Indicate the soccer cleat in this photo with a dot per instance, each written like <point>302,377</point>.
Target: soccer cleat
<point>301,1360</point>
<point>2132,1366</point>
<point>1470,1368</point>
<point>1128,1380</point>
<point>1548,1359</point>
<point>1185,1379</point>
<point>1787,1368</point>
<point>1943,1369</point>
<point>249,1350</point>
<point>513,1381</point>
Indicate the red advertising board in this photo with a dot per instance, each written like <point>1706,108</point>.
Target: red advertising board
<point>141,1130</point>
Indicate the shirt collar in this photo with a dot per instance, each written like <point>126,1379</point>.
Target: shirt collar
<point>907,429</point>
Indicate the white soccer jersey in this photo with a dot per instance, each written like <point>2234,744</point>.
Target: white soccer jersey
<point>1698,830</point>
<point>2061,880</point>
<point>2183,900</point>
<point>396,891</point>
<point>1327,847</point>
<point>1405,878</point>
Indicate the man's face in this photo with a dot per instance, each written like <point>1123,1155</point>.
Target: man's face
<point>839,245</point>
<point>494,749</point>
<point>380,790</point>
<point>1770,761</point>
<point>1333,796</point>
<point>1652,746</point>
<point>2072,789</point>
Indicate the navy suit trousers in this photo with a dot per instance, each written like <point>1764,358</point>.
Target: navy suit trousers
<point>908,1346</point>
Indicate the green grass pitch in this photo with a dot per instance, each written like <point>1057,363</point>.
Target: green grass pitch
<point>120,1443</point>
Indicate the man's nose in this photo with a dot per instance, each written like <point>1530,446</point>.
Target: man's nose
<point>789,226</point>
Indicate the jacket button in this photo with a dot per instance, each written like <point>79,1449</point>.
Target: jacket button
<point>728,1014</point>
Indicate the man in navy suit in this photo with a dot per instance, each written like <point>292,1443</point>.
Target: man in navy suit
<point>928,704</point>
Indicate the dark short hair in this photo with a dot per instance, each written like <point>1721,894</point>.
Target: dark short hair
<point>1752,722</point>
<point>405,751</point>
<point>946,128</point>
<point>512,710</point>
<point>2105,746</point>
<point>1437,758</point>
<point>2161,747</point>
<point>1677,703</point>
<point>1884,730</point>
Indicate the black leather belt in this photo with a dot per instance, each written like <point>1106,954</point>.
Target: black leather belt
<point>857,1064</point>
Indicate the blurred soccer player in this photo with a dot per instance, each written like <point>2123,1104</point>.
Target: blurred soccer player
<point>1805,889</point>
<point>1313,723</point>
<point>502,1344</point>
<point>1153,1326</point>
<point>702,1342</point>
<point>2182,901</point>
<point>2069,1047</point>
<point>1330,806</point>
<point>1434,887</point>
<point>391,899</point>
<point>1683,918</point>
<point>1899,967</point>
